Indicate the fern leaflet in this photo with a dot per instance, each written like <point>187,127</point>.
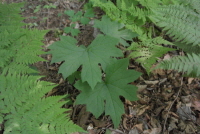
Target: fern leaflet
<point>189,64</point>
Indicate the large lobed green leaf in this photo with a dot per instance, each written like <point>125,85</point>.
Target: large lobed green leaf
<point>115,29</point>
<point>99,52</point>
<point>105,95</point>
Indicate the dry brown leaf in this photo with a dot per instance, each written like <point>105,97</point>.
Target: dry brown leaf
<point>190,80</point>
<point>185,113</point>
<point>188,127</point>
<point>196,105</point>
<point>99,123</point>
<point>186,99</point>
<point>133,131</point>
<point>139,127</point>
<point>116,131</point>
<point>172,123</point>
<point>142,109</point>
<point>132,111</point>
<point>124,122</point>
<point>152,131</point>
<point>159,71</point>
<point>167,57</point>
<point>141,88</point>
<point>151,82</point>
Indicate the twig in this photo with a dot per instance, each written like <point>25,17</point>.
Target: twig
<point>164,128</point>
<point>81,4</point>
<point>118,131</point>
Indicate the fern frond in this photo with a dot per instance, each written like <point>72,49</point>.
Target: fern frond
<point>27,111</point>
<point>189,64</point>
<point>18,47</point>
<point>146,53</point>
<point>187,48</point>
<point>180,22</point>
<point>193,4</point>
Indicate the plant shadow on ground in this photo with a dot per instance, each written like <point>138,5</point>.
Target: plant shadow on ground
<point>166,99</point>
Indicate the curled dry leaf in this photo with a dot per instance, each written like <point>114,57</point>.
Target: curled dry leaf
<point>152,131</point>
<point>190,80</point>
<point>142,109</point>
<point>196,105</point>
<point>139,127</point>
<point>151,82</point>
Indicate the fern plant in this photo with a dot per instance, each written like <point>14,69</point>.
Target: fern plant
<point>16,41</point>
<point>25,110</point>
<point>23,106</point>
<point>181,23</point>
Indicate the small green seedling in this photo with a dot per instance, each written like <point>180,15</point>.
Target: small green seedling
<point>38,8</point>
<point>74,17</point>
<point>72,30</point>
<point>59,14</point>
<point>33,17</point>
<point>50,6</point>
<point>78,17</point>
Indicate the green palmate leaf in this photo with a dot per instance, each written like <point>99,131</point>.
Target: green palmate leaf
<point>100,51</point>
<point>84,20</point>
<point>69,12</point>
<point>73,77</point>
<point>105,96</point>
<point>73,16</point>
<point>89,13</point>
<point>114,29</point>
<point>73,31</point>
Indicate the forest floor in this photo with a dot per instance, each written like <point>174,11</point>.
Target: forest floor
<point>168,103</point>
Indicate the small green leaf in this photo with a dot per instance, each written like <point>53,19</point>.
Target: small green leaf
<point>67,29</point>
<point>75,32</point>
<point>85,20</point>
<point>115,29</point>
<point>59,14</point>
<point>105,95</point>
<point>89,13</point>
<point>69,12</point>
<point>75,75</point>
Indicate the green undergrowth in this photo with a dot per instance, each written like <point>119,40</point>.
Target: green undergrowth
<point>24,109</point>
<point>179,19</point>
<point>139,26</point>
<point>181,22</point>
<point>103,79</point>
<point>99,69</point>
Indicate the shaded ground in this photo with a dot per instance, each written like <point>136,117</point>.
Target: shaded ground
<point>168,102</point>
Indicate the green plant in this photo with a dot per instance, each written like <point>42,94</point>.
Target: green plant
<point>72,29</point>
<point>37,9</point>
<point>105,95</point>
<point>100,56</point>
<point>115,30</point>
<point>75,18</point>
<point>135,16</point>
<point>24,109</point>
<point>50,6</point>
<point>182,23</point>
<point>15,42</point>
<point>89,57</point>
